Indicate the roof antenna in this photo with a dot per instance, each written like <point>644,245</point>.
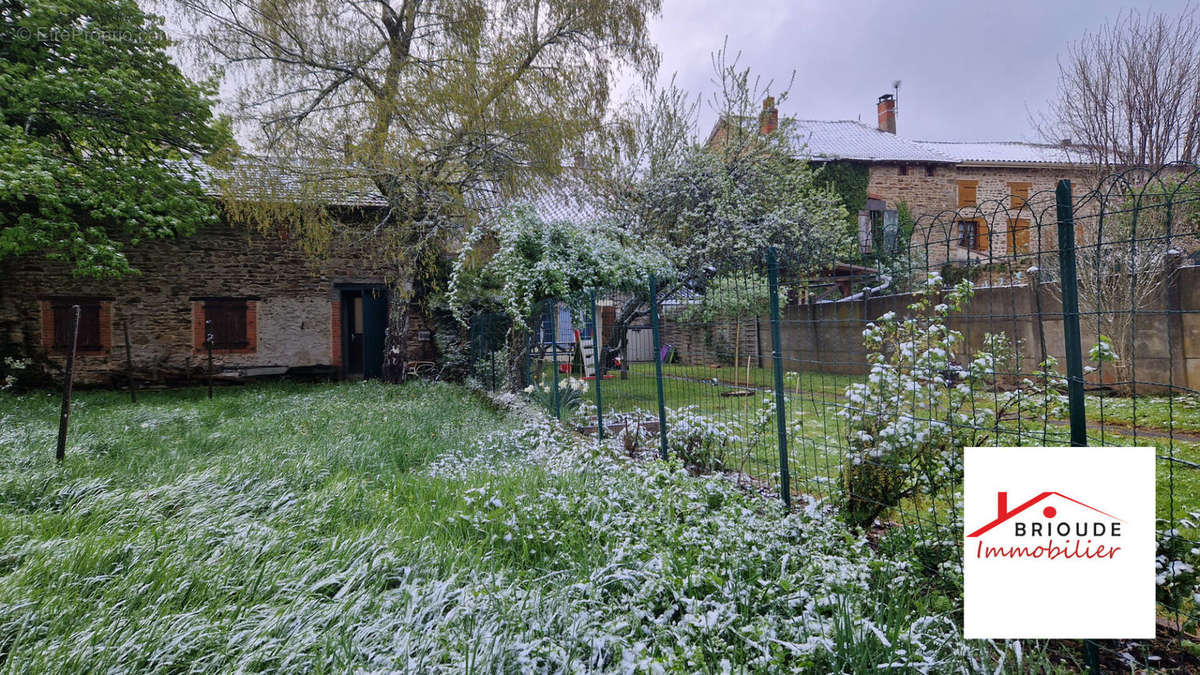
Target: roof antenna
<point>896,98</point>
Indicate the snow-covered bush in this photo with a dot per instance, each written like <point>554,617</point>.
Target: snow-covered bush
<point>1177,570</point>
<point>925,398</point>
<point>699,441</point>
<point>530,260</point>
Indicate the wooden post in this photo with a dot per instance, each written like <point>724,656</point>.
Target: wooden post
<point>64,418</point>
<point>129,362</point>
<point>208,344</point>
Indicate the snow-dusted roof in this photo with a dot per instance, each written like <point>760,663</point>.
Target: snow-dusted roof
<point>1004,152</point>
<point>853,140</point>
<point>848,139</point>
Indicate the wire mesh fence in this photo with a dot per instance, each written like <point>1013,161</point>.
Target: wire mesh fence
<point>1033,320</point>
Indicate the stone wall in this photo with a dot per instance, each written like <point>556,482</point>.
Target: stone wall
<point>294,300</point>
<point>933,201</point>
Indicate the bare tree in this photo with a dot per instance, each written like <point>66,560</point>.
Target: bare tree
<point>1129,94</point>
<point>438,105</point>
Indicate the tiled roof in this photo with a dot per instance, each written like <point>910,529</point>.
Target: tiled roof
<point>848,139</point>
<point>1004,152</point>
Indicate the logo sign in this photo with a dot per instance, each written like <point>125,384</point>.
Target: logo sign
<point>1058,543</point>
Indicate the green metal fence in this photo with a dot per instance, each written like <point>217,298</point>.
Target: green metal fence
<point>859,384</point>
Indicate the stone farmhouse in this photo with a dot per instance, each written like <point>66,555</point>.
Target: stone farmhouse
<point>270,307</point>
<point>975,190</point>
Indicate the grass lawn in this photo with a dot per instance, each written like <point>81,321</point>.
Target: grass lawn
<point>419,528</point>
<point>817,441</point>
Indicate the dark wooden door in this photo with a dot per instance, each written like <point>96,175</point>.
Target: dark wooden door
<point>374,325</point>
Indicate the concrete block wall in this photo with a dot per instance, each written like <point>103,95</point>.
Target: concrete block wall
<point>826,337</point>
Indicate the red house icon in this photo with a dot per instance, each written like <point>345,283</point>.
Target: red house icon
<point>1003,514</point>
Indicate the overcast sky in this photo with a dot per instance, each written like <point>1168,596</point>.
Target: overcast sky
<point>969,70</point>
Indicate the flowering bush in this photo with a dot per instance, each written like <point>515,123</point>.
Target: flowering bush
<point>699,441</point>
<point>920,405</point>
<point>535,260</point>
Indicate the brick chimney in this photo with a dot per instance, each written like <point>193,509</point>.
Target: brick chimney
<point>768,121</point>
<point>887,113</point>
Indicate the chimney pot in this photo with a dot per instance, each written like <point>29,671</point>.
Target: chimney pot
<point>768,121</point>
<point>886,107</point>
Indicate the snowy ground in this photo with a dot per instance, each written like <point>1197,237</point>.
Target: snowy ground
<point>420,529</point>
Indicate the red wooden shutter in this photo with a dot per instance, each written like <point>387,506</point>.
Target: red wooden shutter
<point>228,323</point>
<point>89,325</point>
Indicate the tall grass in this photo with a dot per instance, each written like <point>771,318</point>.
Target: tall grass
<point>417,528</point>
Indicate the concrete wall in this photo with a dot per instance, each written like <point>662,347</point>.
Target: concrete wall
<point>827,336</point>
<point>295,301</point>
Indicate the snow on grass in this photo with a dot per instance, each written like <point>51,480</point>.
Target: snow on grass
<point>418,529</point>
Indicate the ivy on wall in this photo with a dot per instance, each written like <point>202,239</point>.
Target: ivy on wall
<point>849,181</point>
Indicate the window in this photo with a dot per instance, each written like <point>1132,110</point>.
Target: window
<point>226,322</point>
<point>232,324</point>
<point>94,335</point>
<point>967,193</point>
<point>1018,236</point>
<point>903,169</point>
<point>973,234</point>
<point>930,170</point>
<point>967,235</point>
<point>877,228</point>
<point>1019,194</point>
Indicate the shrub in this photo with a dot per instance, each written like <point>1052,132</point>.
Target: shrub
<point>907,423</point>
<point>699,441</point>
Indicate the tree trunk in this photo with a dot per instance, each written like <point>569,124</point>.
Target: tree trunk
<point>395,342</point>
<point>518,339</point>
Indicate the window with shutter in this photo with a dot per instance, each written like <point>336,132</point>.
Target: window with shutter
<point>89,325</point>
<point>226,321</point>
<point>1018,236</point>
<point>981,234</point>
<point>1019,194</point>
<point>967,191</point>
<point>968,233</point>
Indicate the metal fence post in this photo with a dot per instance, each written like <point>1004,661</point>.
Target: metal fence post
<point>64,417</point>
<point>1073,343</point>
<point>129,362</point>
<point>599,373</point>
<point>658,371</point>
<point>208,345</point>
<point>785,487</point>
<point>1070,309</point>
<point>554,353</point>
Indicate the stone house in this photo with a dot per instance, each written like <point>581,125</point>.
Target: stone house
<point>269,308</point>
<point>973,201</point>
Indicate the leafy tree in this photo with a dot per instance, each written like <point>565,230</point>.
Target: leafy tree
<point>92,112</point>
<point>446,107</point>
<point>714,208</point>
